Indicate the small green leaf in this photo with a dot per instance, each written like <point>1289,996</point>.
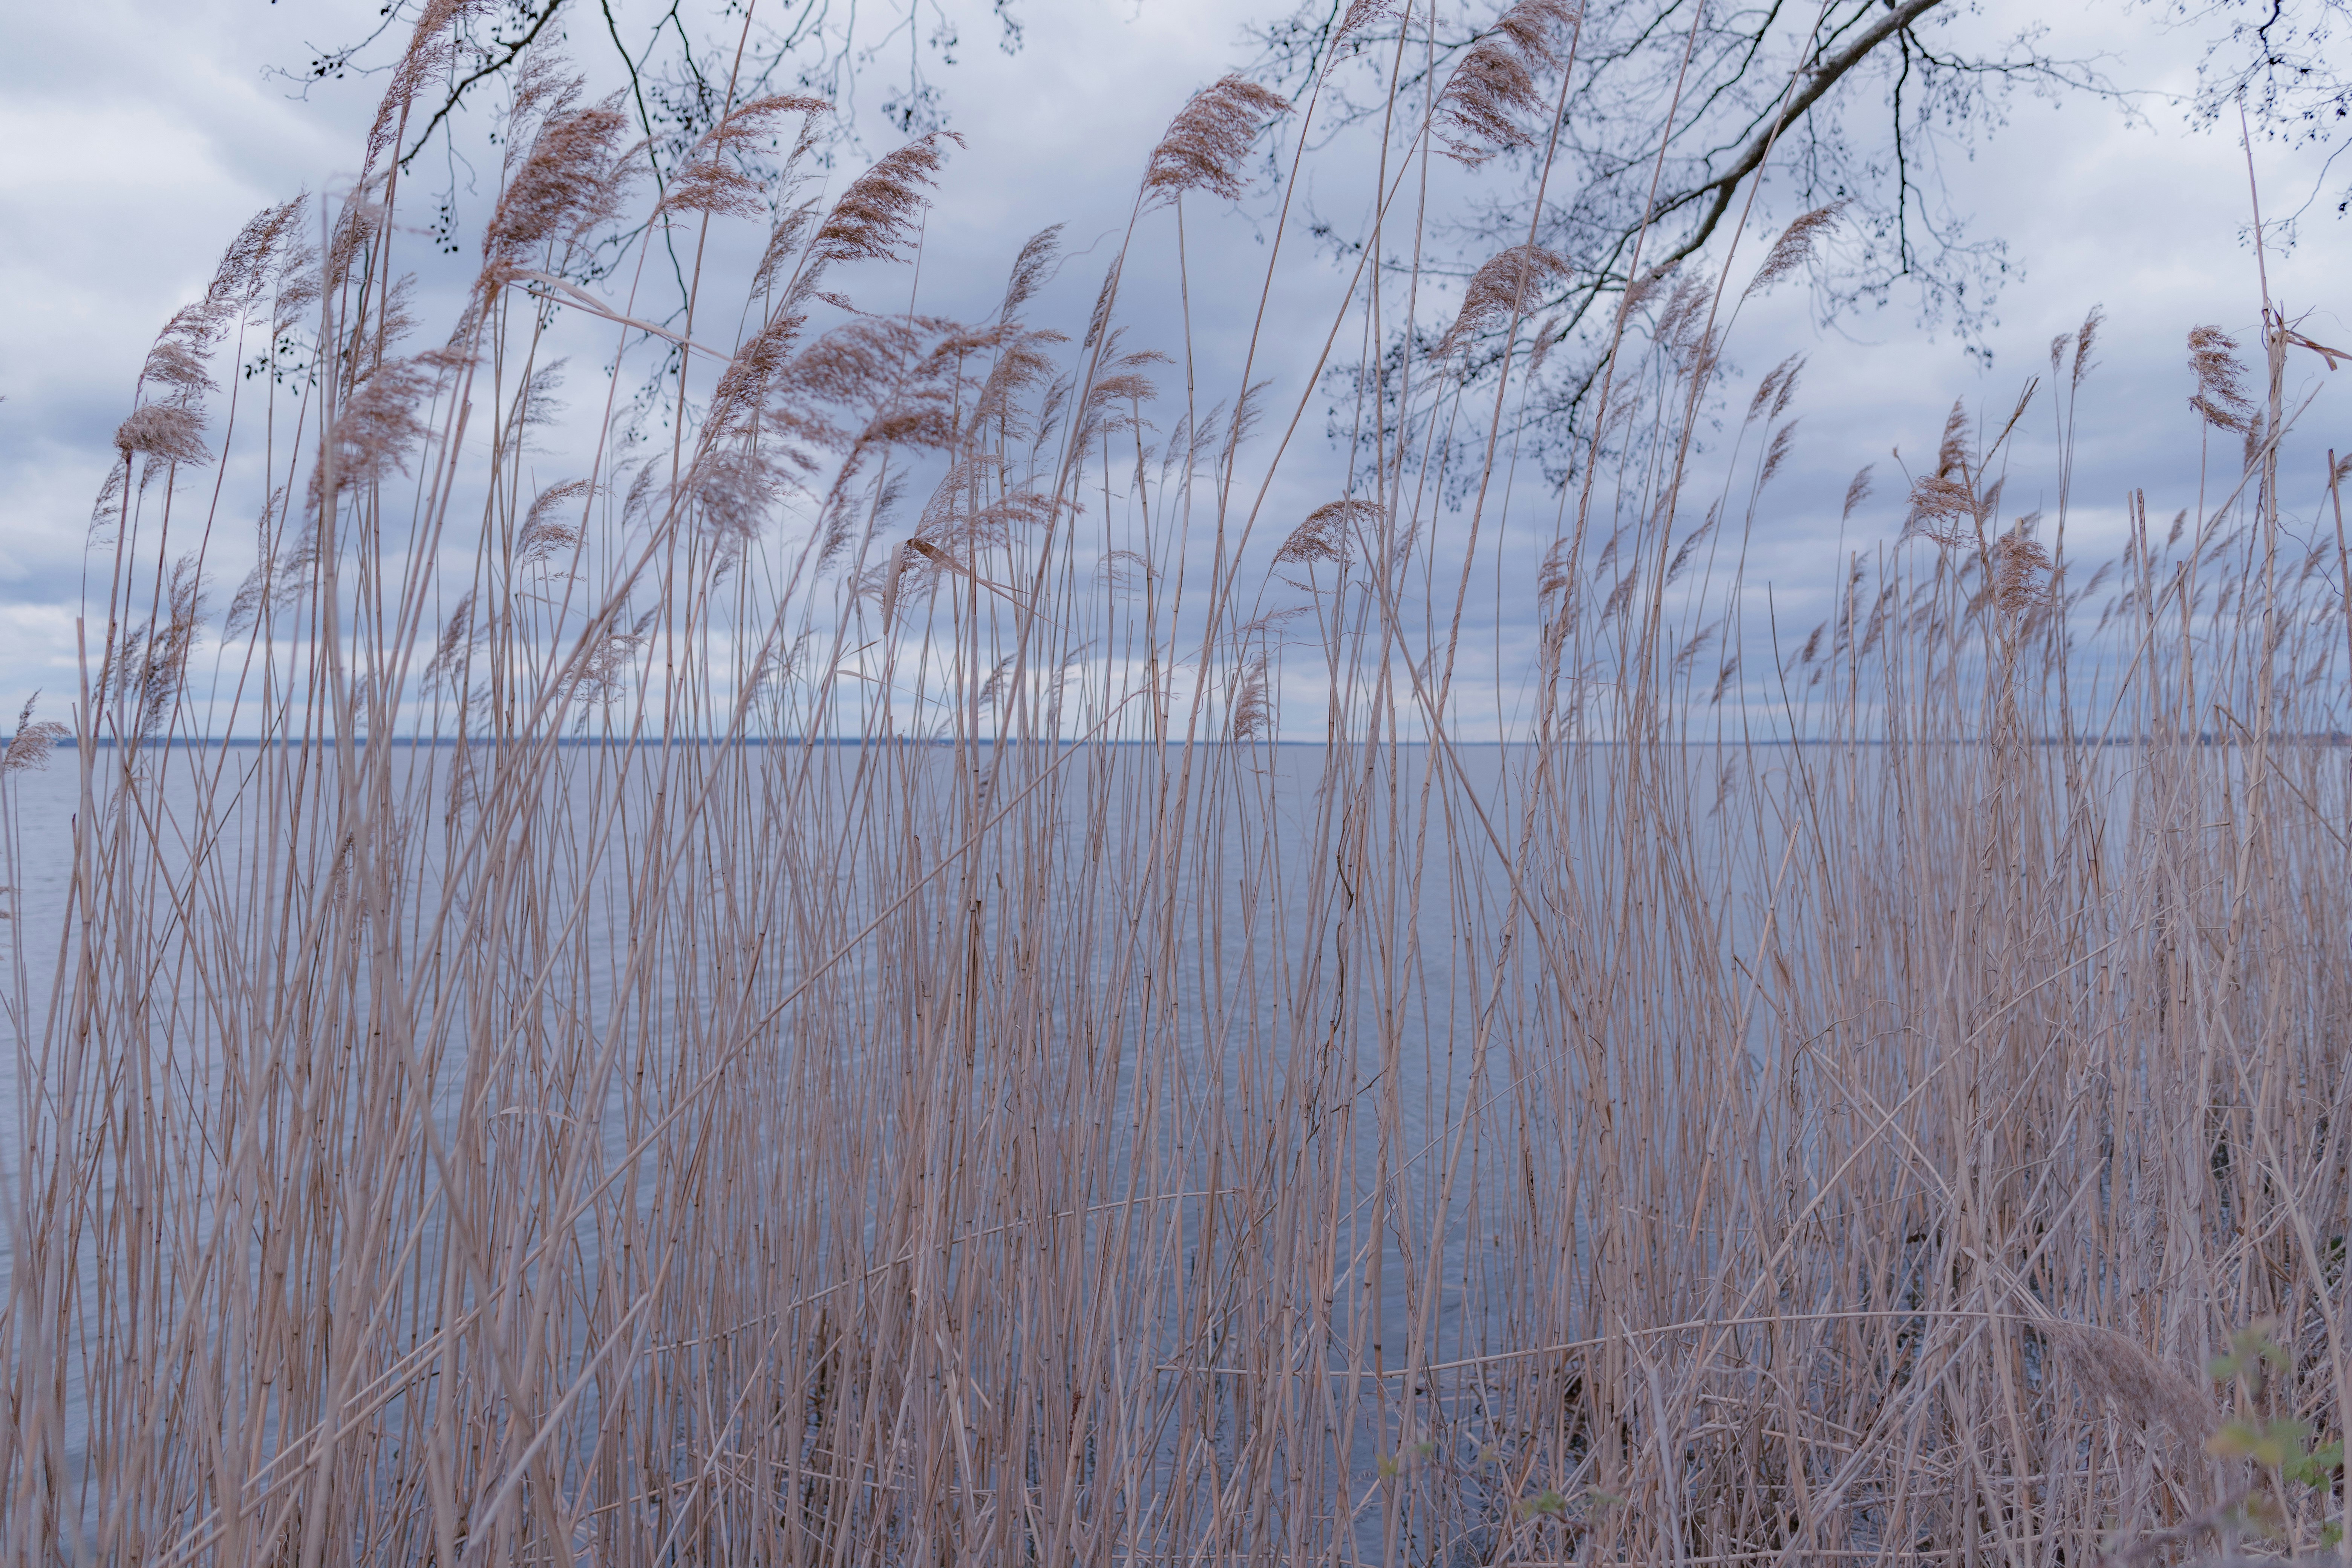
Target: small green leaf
<point>2249,1349</point>
<point>2234,1441</point>
<point>2278,1444</point>
<point>2313,1469</point>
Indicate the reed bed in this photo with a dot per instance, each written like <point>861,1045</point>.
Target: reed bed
<point>777,1001</point>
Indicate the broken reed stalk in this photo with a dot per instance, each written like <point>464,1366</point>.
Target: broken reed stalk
<point>443,1142</point>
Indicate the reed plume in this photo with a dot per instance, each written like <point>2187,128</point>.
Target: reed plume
<point>1328,532</point>
<point>1505,288</point>
<point>1496,82</point>
<point>572,175</point>
<point>2221,396</point>
<point>710,183</point>
<point>873,219</point>
<point>769,995</point>
<point>32,742</point>
<point>1206,143</point>
<point>1856,492</point>
<point>1794,248</point>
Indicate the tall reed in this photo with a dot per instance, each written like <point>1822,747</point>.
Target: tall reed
<point>541,1100</point>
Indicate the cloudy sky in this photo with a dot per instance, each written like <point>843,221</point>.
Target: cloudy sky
<point>135,136</point>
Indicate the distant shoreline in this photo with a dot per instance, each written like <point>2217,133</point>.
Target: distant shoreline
<point>68,743</point>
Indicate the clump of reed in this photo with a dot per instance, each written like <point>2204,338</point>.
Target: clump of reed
<point>1651,1141</point>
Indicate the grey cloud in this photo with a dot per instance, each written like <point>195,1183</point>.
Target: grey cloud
<point>170,137</point>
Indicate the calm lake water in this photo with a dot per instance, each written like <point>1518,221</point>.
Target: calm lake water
<point>1283,794</point>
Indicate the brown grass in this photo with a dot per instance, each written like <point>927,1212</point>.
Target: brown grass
<point>1653,1142</point>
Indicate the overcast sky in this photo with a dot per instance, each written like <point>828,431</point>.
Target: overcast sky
<point>137,135</point>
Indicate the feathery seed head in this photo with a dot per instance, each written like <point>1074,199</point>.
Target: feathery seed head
<point>1248,408</point>
<point>164,668</point>
<point>783,243</point>
<point>714,187</point>
<point>546,529</point>
<point>1691,542</point>
<point>600,666</point>
<point>1794,248</point>
<point>1782,439</point>
<point>1359,14</point>
<point>873,219</point>
<point>1106,297</point>
<point>30,745</point>
<point>1558,574</point>
<point>352,236</point>
<point>1030,270</point>
<point>1020,364</point>
<point>1502,290</point>
<point>1770,392</point>
<point>1690,650</point>
<point>1209,138</point>
<point>449,651</point>
<point>253,259</point>
<point>168,432</point>
<point>2021,570</point>
<point>1684,315</point>
<point>1621,596</point>
<point>749,121</point>
<point>377,426</point>
<point>1638,292</point>
<point>1328,531</point>
<point>1858,491</point>
<point>1496,82</point>
<point>1546,337</point>
<point>730,492</point>
<point>1788,391</point>
<point>743,387</point>
<point>575,176</point>
<point>1252,712</point>
<point>2221,396</point>
<point>709,183</point>
<point>1939,506</point>
<point>2085,337</point>
<point>2123,1373</point>
<point>432,47</point>
<point>1952,452</point>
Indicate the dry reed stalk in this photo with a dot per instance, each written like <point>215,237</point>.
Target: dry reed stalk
<point>1655,1142</point>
